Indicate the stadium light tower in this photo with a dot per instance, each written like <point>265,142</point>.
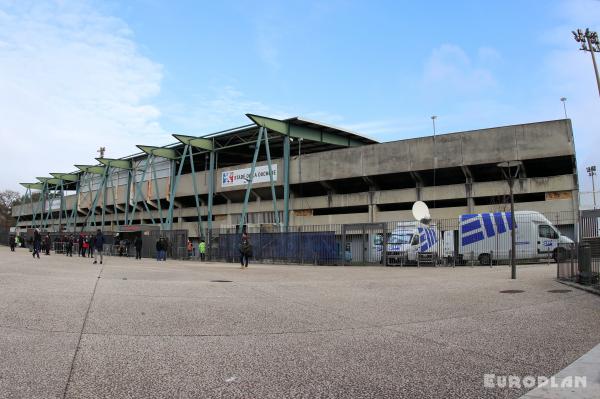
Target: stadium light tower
<point>592,172</point>
<point>564,101</point>
<point>510,170</point>
<point>589,42</point>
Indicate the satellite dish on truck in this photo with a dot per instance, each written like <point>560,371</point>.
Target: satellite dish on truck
<point>420,212</point>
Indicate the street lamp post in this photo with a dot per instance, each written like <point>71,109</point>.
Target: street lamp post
<point>564,101</point>
<point>433,118</point>
<point>592,172</point>
<point>510,170</point>
<point>589,42</point>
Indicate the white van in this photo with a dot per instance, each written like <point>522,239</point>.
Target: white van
<point>412,243</point>
<point>486,238</point>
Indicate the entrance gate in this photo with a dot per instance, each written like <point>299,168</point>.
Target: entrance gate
<point>363,243</point>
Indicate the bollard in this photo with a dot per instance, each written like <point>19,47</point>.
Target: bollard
<point>491,258</point>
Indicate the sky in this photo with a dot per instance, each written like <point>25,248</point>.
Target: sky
<point>78,75</point>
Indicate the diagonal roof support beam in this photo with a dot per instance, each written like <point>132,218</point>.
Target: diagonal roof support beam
<point>115,163</point>
<point>33,186</point>
<point>71,177</point>
<point>291,130</point>
<point>162,152</point>
<point>92,169</point>
<point>197,142</point>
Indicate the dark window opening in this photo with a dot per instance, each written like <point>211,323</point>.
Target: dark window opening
<point>341,210</point>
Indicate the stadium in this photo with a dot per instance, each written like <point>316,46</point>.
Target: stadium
<point>287,175</point>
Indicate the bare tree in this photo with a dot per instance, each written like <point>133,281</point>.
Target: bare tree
<point>8,198</point>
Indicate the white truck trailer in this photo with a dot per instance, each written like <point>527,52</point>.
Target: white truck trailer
<point>485,238</point>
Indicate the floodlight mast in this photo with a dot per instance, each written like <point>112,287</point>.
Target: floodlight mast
<point>589,42</point>
<point>591,170</point>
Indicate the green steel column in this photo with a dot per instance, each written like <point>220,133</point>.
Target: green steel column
<point>199,220</point>
<point>104,196</point>
<point>128,196</point>
<point>74,214</point>
<point>42,204</point>
<point>286,181</point>
<point>271,176</point>
<point>101,187</point>
<point>49,214</point>
<point>174,186</point>
<point>249,185</point>
<point>211,188</point>
<point>138,190</point>
<point>160,213</point>
<point>115,217</point>
<point>62,203</point>
<point>33,213</point>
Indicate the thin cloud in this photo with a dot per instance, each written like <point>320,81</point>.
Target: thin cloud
<point>71,80</point>
<point>450,70</point>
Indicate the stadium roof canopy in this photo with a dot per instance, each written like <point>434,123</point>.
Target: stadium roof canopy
<point>233,146</point>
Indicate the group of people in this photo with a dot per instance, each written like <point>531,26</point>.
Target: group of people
<point>14,241</point>
<point>191,249</point>
<point>88,244</point>
<point>93,246</point>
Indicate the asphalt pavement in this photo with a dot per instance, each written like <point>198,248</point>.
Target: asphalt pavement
<point>183,329</point>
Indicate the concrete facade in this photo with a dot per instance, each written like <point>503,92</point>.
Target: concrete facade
<point>453,173</point>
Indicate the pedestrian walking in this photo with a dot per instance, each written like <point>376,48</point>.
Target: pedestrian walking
<point>138,247</point>
<point>86,246</point>
<point>69,246</point>
<point>190,247</point>
<point>161,250</point>
<point>37,243</point>
<point>202,249</point>
<point>12,243</point>
<point>99,244</point>
<point>92,242</point>
<point>47,243</point>
<point>245,250</point>
<point>80,244</point>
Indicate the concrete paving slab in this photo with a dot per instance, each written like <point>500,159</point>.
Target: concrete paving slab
<point>356,363</point>
<point>35,364</point>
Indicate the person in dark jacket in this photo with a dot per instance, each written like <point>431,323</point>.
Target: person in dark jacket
<point>92,241</point>
<point>245,250</point>
<point>138,247</point>
<point>69,246</point>
<point>47,244</point>
<point>80,243</point>
<point>37,243</point>
<point>99,244</point>
<point>12,243</point>
<point>161,250</point>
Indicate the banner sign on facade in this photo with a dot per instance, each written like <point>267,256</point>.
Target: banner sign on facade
<point>240,177</point>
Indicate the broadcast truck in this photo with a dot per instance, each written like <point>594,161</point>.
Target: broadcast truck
<point>485,238</point>
<point>411,243</point>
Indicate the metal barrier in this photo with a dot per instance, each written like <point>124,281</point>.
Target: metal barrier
<point>581,264</point>
<point>471,240</point>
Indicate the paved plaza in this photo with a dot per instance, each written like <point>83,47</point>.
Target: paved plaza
<point>179,329</point>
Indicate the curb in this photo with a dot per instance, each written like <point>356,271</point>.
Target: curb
<point>587,366</point>
<point>579,286</point>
